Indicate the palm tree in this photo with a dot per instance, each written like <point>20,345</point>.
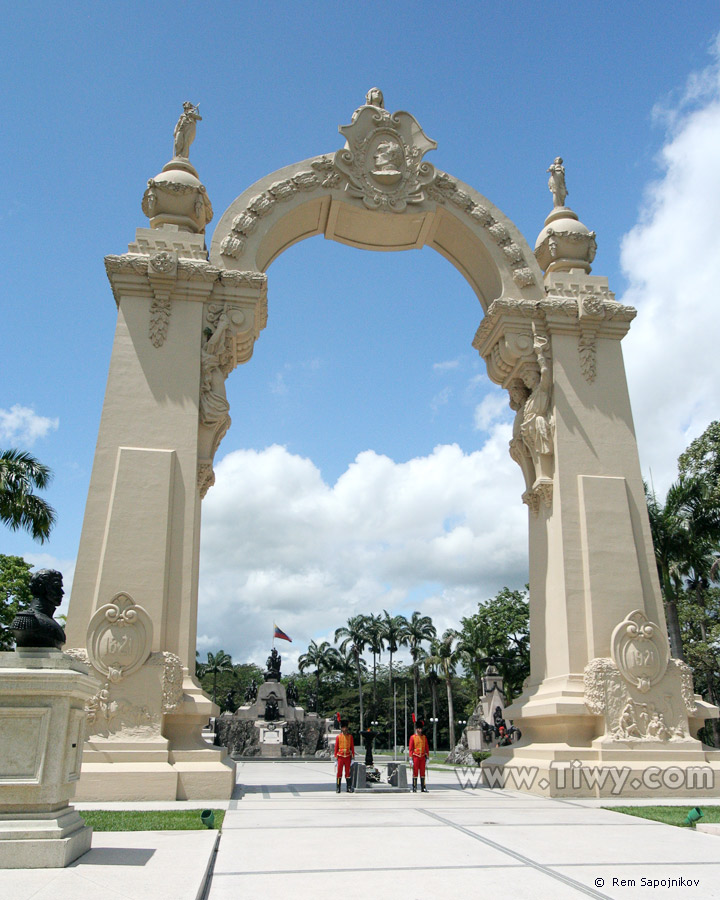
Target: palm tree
<point>354,637</point>
<point>433,678</point>
<point>473,646</point>
<point>321,657</point>
<point>376,643</point>
<point>445,656</point>
<point>420,628</point>
<point>20,473</point>
<point>215,665</point>
<point>684,529</point>
<point>395,630</point>
<point>346,666</point>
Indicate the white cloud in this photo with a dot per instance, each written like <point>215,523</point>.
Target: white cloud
<point>21,426</point>
<point>441,399</point>
<point>278,385</point>
<point>493,407</point>
<point>446,366</point>
<point>671,261</point>
<point>279,544</point>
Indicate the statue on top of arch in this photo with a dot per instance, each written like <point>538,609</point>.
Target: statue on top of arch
<point>556,183</point>
<point>184,133</point>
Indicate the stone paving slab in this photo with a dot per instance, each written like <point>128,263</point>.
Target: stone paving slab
<point>123,865</point>
<point>450,842</point>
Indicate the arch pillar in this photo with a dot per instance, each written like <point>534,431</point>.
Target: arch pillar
<point>593,708</point>
<point>182,326</point>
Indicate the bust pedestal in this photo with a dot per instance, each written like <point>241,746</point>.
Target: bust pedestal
<point>42,729</point>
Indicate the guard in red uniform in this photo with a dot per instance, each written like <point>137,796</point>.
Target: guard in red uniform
<point>344,753</point>
<point>419,752</point>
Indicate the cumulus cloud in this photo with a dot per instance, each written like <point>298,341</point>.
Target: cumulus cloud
<point>493,407</point>
<point>21,426</point>
<point>671,259</point>
<point>280,544</point>
<point>446,366</point>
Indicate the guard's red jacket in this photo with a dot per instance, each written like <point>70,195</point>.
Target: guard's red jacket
<point>419,745</point>
<point>345,745</point>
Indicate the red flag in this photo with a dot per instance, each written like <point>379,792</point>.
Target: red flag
<point>413,718</point>
<point>280,634</point>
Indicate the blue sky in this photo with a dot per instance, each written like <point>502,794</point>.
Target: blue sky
<point>366,466</point>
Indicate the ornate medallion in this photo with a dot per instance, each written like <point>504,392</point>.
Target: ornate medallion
<point>640,650</point>
<point>119,637</point>
<point>383,158</point>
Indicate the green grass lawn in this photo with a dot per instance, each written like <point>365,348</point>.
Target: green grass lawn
<point>670,815</point>
<point>148,820</point>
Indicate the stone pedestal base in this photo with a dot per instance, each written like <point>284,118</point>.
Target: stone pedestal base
<point>42,840</point>
<point>42,721</point>
<point>567,751</point>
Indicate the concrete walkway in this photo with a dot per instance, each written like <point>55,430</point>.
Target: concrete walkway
<point>290,834</point>
<point>286,833</point>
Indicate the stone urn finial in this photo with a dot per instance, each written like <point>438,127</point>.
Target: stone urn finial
<point>564,244</point>
<point>176,196</point>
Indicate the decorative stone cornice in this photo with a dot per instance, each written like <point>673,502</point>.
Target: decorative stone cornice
<point>162,277</point>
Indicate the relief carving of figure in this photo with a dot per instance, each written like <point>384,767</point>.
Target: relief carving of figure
<point>556,182</point>
<point>184,133</point>
<point>389,160</point>
<point>214,406</point>
<point>536,424</point>
<point>518,450</point>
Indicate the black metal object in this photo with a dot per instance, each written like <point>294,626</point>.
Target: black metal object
<point>35,627</point>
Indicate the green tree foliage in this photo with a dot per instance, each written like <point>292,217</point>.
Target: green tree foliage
<point>14,594</point>
<point>685,531</point>
<point>419,630</point>
<point>499,632</point>
<point>20,507</point>
<point>702,458</point>
<point>322,658</point>
<point>353,638</point>
<point>217,663</point>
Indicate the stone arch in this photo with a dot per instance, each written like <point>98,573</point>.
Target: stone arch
<point>550,334</point>
<point>311,198</point>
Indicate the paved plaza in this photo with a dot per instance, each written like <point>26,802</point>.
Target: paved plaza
<point>286,832</point>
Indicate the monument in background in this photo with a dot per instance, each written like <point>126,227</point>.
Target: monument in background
<point>271,725</point>
<point>602,690</point>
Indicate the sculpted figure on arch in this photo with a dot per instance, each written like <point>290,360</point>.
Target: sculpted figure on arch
<point>556,182</point>
<point>184,133</point>
<point>518,449</point>
<point>536,425</point>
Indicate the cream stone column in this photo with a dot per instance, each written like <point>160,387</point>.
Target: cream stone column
<point>182,326</point>
<point>603,700</point>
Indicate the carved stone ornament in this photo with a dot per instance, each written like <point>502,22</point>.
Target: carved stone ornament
<point>119,637</point>
<point>114,714</point>
<point>660,714</point>
<point>444,189</point>
<point>640,650</point>
<point>383,160</point>
<point>322,173</point>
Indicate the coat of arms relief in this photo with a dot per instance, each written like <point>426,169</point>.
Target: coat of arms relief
<point>383,157</point>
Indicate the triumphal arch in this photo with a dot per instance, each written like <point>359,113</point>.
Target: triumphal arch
<point>603,691</point>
